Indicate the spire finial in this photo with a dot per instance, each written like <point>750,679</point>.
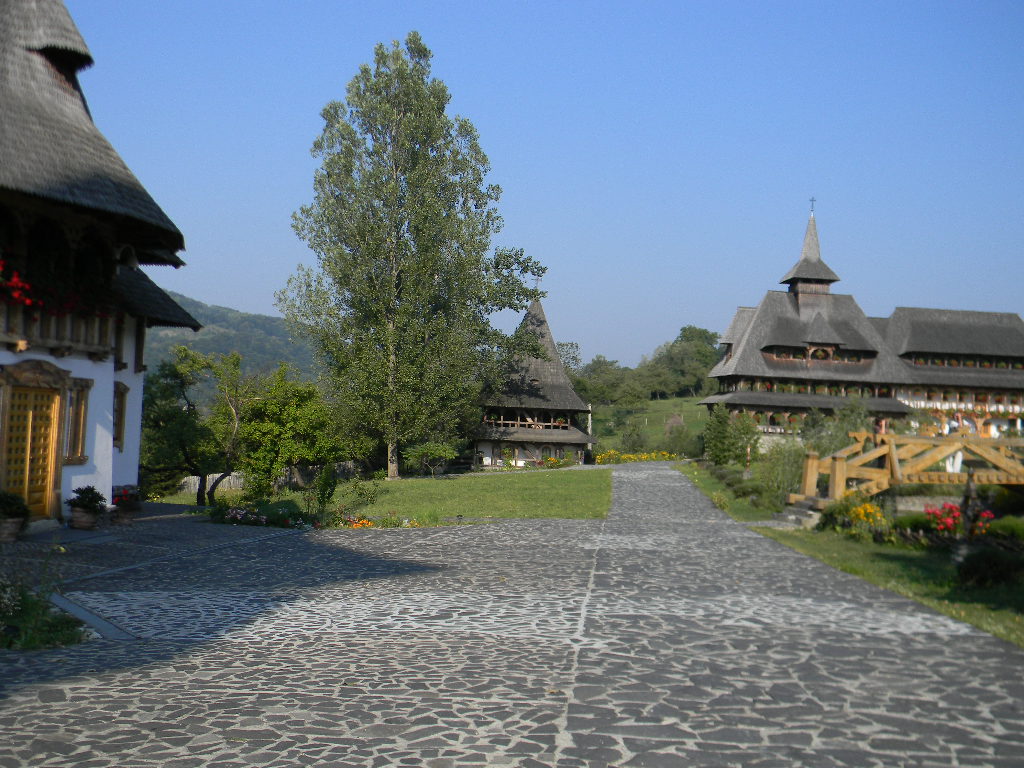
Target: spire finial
<point>812,206</point>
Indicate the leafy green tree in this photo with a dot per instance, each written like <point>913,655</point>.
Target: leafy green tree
<point>605,382</point>
<point>286,422</point>
<point>569,354</point>
<point>401,223</point>
<point>728,438</point>
<point>826,434</point>
<point>430,456</point>
<point>681,367</point>
<point>176,441</point>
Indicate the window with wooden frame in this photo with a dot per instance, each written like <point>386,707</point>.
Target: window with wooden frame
<point>140,343</point>
<point>120,409</point>
<point>76,422</point>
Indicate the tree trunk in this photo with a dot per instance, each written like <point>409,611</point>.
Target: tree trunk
<point>201,491</point>
<point>213,487</point>
<point>392,461</point>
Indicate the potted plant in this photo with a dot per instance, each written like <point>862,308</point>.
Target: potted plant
<point>86,506</point>
<point>14,513</point>
<point>126,504</point>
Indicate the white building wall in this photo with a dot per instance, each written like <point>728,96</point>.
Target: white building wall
<point>126,462</point>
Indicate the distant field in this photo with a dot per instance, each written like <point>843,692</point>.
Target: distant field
<point>651,415</point>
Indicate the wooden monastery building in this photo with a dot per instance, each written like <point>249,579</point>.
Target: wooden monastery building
<point>538,414</point>
<point>808,348</point>
<point>75,226</point>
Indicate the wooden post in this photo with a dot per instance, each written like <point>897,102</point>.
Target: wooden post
<point>809,484</point>
<point>837,480</point>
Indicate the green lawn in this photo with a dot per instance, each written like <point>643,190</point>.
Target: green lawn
<point>531,494</point>
<point>534,494</point>
<point>651,416</point>
<point>924,575</point>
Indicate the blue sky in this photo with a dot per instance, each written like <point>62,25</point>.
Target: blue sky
<point>658,157</point>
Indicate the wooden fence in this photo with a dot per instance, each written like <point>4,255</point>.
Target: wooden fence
<point>877,462</point>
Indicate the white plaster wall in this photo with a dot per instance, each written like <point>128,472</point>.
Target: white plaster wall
<point>125,469</point>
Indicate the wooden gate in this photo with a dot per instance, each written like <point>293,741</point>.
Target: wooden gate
<point>877,462</point>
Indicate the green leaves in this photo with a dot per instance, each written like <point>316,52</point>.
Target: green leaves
<point>401,223</point>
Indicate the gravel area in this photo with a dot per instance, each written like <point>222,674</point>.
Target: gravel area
<point>666,635</point>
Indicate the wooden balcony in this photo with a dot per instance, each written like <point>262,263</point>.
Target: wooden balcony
<point>23,328</point>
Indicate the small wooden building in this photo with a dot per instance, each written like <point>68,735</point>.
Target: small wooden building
<point>809,348</point>
<point>538,414</point>
<point>75,228</point>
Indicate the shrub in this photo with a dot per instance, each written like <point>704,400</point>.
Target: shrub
<point>780,468</point>
<point>990,567</point>
<point>912,522</point>
<point>1008,528</point>
<point>430,456</point>
<point>857,515</point>
<point>720,500</point>
<point>317,498</point>
<point>948,521</point>
<point>727,438</point>
<point>749,488</point>
<point>633,439</point>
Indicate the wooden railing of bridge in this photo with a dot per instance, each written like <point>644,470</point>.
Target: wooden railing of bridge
<point>877,462</point>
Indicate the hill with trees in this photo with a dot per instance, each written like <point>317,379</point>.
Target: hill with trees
<point>262,341</point>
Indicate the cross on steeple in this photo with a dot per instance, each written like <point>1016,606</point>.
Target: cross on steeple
<point>812,205</point>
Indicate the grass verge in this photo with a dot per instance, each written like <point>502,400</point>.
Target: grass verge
<point>529,495</point>
<point>738,508</point>
<point>925,575</point>
<point>30,622</point>
<point>429,501</point>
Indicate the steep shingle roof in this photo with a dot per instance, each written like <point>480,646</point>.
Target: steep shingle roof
<point>49,145</point>
<point>810,267</point>
<point>537,383</point>
<point>139,296</point>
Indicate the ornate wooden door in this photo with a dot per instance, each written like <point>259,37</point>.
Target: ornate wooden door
<point>30,457</point>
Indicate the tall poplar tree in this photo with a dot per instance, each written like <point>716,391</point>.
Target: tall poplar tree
<point>401,221</point>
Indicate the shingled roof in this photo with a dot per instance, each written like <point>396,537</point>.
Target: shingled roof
<point>889,345</point>
<point>139,296</point>
<point>49,145</point>
<point>810,267</point>
<point>538,383</point>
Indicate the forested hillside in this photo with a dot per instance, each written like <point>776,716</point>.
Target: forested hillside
<point>262,341</point>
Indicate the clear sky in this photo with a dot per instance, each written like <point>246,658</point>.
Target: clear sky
<point>658,157</point>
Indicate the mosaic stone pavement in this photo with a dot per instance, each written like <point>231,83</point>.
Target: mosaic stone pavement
<point>666,635</point>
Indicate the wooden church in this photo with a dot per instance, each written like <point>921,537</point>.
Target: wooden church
<point>537,415</point>
<point>808,348</point>
<point>76,227</point>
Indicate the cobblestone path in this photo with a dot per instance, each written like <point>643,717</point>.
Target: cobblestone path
<point>666,635</point>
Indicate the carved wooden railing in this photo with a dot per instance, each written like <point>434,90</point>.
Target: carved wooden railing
<point>23,328</point>
<point>877,462</point>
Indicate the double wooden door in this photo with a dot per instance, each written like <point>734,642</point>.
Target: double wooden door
<point>30,455</point>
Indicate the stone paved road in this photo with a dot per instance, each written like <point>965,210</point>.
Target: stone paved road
<point>667,635</point>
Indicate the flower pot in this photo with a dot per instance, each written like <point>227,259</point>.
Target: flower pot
<point>10,527</point>
<point>83,519</point>
<point>123,515</point>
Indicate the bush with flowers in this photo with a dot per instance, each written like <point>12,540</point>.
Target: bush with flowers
<point>616,457</point>
<point>948,521</point>
<point>856,516</point>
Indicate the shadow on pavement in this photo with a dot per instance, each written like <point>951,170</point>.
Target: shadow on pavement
<point>177,581</point>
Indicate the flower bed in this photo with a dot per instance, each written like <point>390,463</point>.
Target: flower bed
<point>616,457</point>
